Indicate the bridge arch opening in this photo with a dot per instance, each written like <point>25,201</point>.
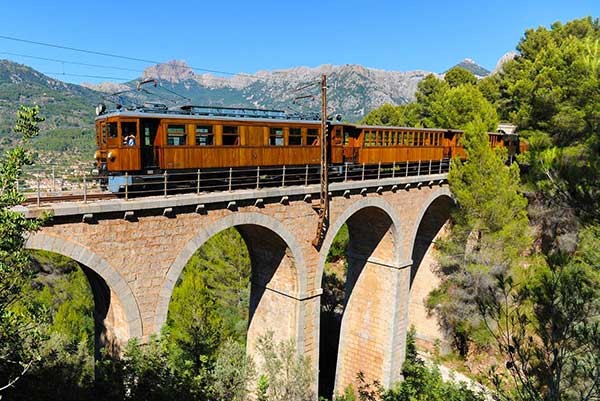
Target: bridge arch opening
<point>432,225</point>
<point>116,315</point>
<point>358,313</point>
<point>275,277</point>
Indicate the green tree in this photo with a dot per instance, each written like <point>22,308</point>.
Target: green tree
<point>233,372</point>
<point>461,106</point>
<point>289,375</point>
<point>459,76</point>
<point>489,232</point>
<point>18,342</point>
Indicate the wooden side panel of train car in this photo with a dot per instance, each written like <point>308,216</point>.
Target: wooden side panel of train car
<point>218,144</point>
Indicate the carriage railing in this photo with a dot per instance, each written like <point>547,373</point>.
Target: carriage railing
<point>44,185</point>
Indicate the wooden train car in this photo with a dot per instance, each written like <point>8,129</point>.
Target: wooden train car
<point>153,139</point>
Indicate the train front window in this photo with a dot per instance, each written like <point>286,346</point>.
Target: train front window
<point>176,135</point>
<point>112,130</point>
<point>312,136</point>
<point>129,133</point>
<point>204,135</point>
<point>231,136</point>
<point>295,137</point>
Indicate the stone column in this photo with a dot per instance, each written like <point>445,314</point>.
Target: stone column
<point>373,332</point>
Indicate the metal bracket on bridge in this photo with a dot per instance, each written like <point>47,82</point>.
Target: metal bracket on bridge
<point>379,190</point>
<point>87,218</point>
<point>430,184</point>
<point>407,187</point>
<point>260,202</point>
<point>419,185</point>
<point>285,200</point>
<point>168,212</point>
<point>129,215</point>
<point>201,209</point>
<point>308,198</point>
<point>441,182</point>
<point>363,192</point>
<point>394,188</point>
<point>232,206</point>
<point>347,194</point>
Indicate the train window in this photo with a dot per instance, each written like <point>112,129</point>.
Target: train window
<point>276,137</point>
<point>369,138</point>
<point>231,137</point>
<point>347,135</point>
<point>204,135</point>
<point>176,134</point>
<point>112,130</point>
<point>295,137</point>
<point>104,133</point>
<point>312,136</point>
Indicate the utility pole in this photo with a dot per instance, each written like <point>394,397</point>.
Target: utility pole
<point>323,208</point>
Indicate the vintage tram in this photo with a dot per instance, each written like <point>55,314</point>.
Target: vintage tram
<point>154,139</point>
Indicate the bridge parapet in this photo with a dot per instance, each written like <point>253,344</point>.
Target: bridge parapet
<point>202,202</point>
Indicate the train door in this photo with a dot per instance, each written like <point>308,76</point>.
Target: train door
<point>149,128</point>
<point>350,136</point>
<point>129,144</point>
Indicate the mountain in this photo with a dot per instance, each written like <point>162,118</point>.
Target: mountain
<point>354,90</point>
<point>64,105</point>
<point>472,66</point>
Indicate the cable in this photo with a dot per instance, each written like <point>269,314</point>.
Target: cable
<point>75,49</point>
<point>87,76</point>
<point>72,62</point>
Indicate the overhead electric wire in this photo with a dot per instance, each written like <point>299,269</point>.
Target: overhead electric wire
<point>272,77</point>
<point>87,76</point>
<point>72,62</point>
<point>104,54</point>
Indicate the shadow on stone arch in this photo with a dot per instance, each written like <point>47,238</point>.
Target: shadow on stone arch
<point>116,314</point>
<point>356,316</point>
<point>423,277</point>
<point>434,217</point>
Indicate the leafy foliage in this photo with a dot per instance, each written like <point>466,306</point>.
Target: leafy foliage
<point>18,335</point>
<point>488,234</point>
<point>453,102</point>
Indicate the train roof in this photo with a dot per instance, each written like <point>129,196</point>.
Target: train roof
<point>209,113</point>
<point>388,127</point>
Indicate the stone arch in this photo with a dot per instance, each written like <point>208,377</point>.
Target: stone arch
<point>257,229</point>
<point>371,324</point>
<point>112,294</point>
<point>343,218</point>
<point>435,211</point>
<point>429,225</point>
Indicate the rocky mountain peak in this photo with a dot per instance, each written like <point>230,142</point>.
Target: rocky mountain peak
<point>476,69</point>
<point>506,57</point>
<point>173,71</point>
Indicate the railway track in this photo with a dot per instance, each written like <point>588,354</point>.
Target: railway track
<point>68,198</point>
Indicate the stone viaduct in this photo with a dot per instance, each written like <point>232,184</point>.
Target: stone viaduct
<point>133,252</point>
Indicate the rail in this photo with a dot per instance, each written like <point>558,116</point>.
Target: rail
<point>41,187</point>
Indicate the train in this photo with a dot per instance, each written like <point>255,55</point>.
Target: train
<point>153,140</point>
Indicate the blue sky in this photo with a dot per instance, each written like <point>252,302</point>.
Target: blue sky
<point>242,36</point>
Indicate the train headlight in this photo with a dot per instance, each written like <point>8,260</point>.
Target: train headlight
<point>100,108</point>
<point>97,155</point>
<point>112,155</point>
